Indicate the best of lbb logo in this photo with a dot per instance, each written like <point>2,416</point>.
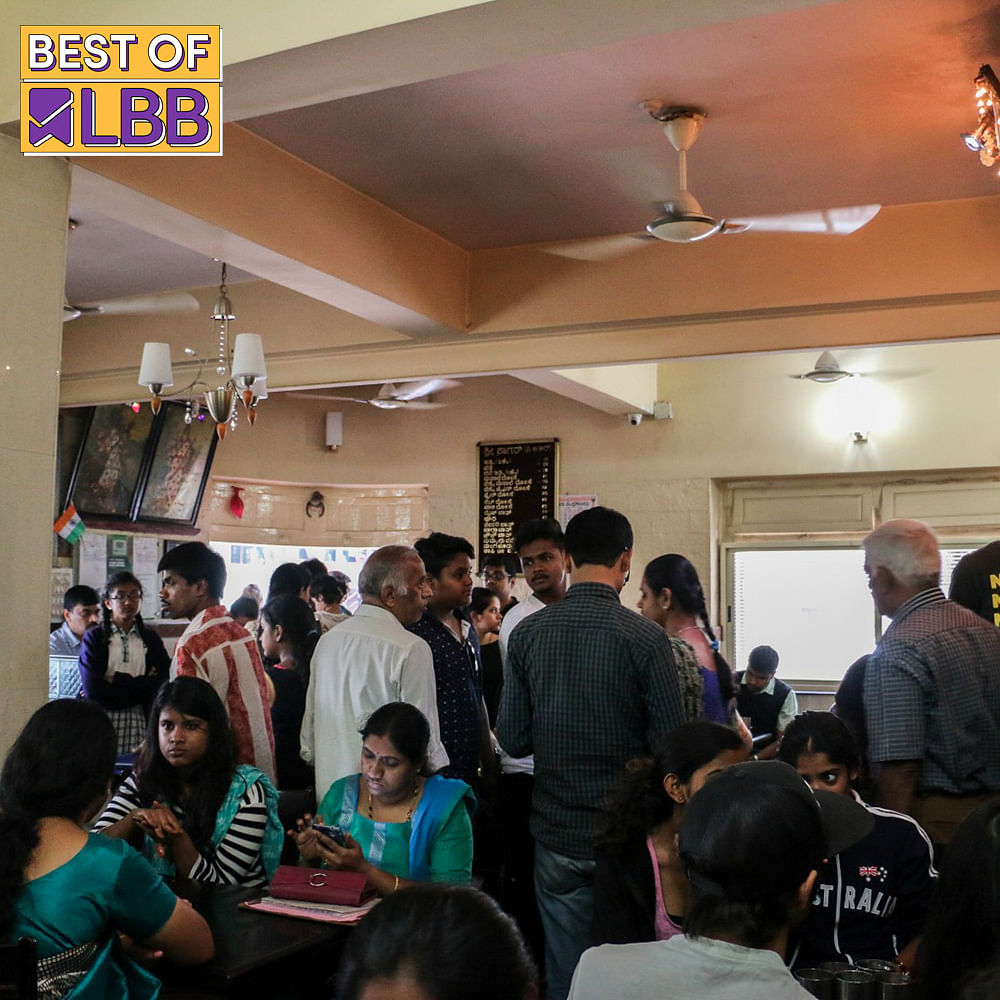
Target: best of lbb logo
<point>128,90</point>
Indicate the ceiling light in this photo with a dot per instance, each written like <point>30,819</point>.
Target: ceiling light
<point>985,139</point>
<point>827,370</point>
<point>242,371</point>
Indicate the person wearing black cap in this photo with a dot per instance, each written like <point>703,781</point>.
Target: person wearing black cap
<point>753,839</point>
<point>766,704</point>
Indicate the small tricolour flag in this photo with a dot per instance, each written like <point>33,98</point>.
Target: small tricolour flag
<point>69,525</point>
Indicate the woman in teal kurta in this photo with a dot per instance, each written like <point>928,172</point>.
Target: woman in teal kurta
<point>72,891</point>
<point>400,826</point>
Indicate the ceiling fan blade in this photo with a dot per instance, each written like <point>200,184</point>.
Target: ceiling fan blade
<point>420,404</point>
<point>829,221</point>
<point>323,395</point>
<point>165,302</point>
<point>598,248</point>
<point>425,387</point>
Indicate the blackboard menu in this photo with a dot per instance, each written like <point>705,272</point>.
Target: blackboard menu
<point>518,481</point>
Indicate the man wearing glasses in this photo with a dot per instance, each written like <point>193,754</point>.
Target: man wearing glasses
<point>498,575</point>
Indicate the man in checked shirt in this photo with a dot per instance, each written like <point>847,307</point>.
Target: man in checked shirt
<point>589,685</point>
<point>931,688</point>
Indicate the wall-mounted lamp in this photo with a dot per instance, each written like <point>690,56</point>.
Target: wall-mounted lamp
<point>860,437</point>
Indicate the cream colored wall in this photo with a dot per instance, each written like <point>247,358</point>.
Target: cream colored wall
<point>734,417</point>
<point>33,210</point>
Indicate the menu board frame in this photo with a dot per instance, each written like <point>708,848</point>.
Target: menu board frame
<point>531,471</point>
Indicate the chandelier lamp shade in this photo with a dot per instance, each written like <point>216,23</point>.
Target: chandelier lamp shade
<point>241,369</point>
<point>155,371</point>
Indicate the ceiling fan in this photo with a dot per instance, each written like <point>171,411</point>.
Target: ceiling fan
<point>133,305</point>
<point>390,397</point>
<point>683,220</point>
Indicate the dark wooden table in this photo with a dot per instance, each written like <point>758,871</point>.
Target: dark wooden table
<point>257,954</point>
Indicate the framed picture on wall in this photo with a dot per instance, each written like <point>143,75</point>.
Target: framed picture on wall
<point>110,462</point>
<point>177,469</point>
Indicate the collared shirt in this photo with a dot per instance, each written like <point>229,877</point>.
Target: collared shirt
<point>590,685</point>
<point>64,642</point>
<point>358,666</point>
<point>786,712</point>
<point>222,652</point>
<point>126,652</point>
<point>531,604</point>
<point>458,676</point>
<point>932,693</point>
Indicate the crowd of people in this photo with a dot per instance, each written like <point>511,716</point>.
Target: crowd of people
<point>649,822</point>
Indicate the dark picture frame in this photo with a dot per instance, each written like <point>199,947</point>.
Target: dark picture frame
<point>111,462</point>
<point>177,467</point>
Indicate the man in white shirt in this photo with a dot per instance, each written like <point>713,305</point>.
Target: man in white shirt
<point>540,546</point>
<point>368,661</point>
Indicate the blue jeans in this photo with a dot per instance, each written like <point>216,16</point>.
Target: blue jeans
<point>565,890</point>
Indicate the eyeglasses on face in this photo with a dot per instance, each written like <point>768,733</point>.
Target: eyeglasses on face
<point>498,576</point>
<point>126,598</point>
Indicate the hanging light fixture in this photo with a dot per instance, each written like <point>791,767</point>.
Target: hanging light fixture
<point>985,140</point>
<point>241,370</point>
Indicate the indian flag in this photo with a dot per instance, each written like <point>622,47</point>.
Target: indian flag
<point>69,525</point>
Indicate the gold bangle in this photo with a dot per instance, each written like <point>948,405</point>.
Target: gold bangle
<point>395,888</point>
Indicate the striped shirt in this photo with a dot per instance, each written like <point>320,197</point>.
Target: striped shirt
<point>932,694</point>
<point>222,652</point>
<point>589,685</point>
<point>236,860</point>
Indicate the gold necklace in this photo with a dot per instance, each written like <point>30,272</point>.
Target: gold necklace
<point>409,812</point>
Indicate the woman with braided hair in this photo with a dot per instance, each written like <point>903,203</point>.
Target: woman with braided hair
<point>673,598</point>
<point>123,662</point>
<point>75,892</point>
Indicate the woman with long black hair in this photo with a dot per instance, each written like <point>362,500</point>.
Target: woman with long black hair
<point>288,635</point>
<point>123,661</point>
<point>73,891</point>
<point>192,810</point>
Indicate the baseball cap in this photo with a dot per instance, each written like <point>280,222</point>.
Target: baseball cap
<point>743,829</point>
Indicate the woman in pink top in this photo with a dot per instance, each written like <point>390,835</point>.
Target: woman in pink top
<point>641,892</point>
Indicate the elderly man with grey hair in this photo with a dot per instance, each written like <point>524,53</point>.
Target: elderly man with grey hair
<point>367,661</point>
<point>932,686</point>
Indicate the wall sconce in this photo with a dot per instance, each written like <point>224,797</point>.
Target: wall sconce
<point>860,437</point>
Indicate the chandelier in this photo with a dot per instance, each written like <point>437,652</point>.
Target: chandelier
<point>240,371</point>
<point>985,140</point>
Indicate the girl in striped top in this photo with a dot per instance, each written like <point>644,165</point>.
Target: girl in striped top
<point>188,806</point>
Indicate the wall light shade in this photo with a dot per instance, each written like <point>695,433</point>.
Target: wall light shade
<point>248,357</point>
<point>155,368</point>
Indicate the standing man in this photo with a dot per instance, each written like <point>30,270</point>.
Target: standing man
<point>975,583</point>
<point>458,675</point>
<point>541,547</point>
<point>218,649</point>
<point>367,661</point>
<point>589,686</point>
<point>81,611</point>
<point>766,703</point>
<point>931,688</point>
<point>499,573</point>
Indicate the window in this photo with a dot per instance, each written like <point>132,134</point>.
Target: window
<point>255,563</point>
<point>811,604</point>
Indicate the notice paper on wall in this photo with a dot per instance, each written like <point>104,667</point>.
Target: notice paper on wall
<point>93,555</point>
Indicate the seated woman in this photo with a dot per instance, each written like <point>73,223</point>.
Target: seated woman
<point>641,892</point>
<point>401,828</point>
<point>871,900</point>
<point>437,942</point>
<point>288,636</point>
<point>123,662</point>
<point>74,892</point>
<point>188,805</point>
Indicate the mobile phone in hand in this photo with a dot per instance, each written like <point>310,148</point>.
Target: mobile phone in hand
<point>335,833</point>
